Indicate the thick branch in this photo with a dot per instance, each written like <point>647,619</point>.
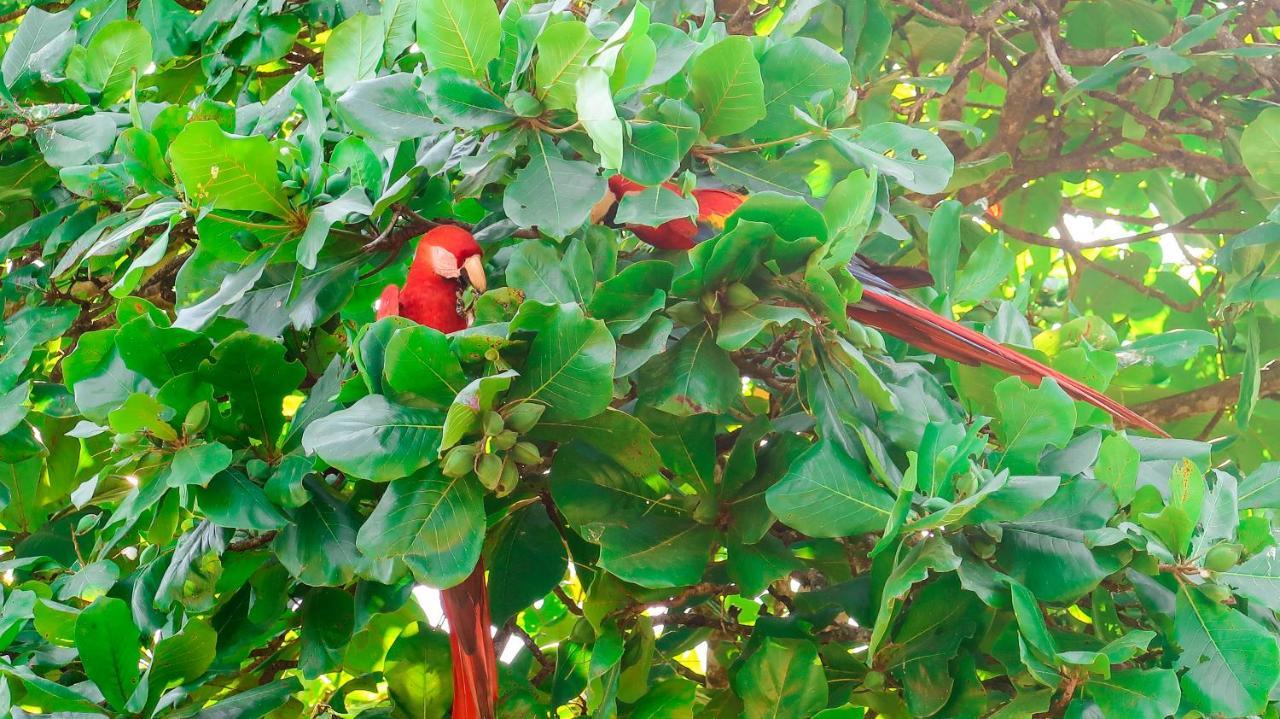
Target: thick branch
<point>1207,399</point>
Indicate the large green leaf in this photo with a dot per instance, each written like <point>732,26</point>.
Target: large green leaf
<point>784,677</point>
<point>115,57</point>
<point>434,523</point>
<point>570,364</point>
<point>389,108</point>
<point>528,554</point>
<point>107,640</point>
<point>1048,550</point>
<point>352,52</point>
<point>694,375</point>
<point>551,193</point>
<point>727,87</point>
<point>356,439</point>
<point>419,362</point>
<point>657,551</point>
<point>459,35</point>
<point>227,172</point>
<point>563,51</point>
<point>1260,148</point>
<point>1149,694</point>
<point>826,493</point>
<point>1232,663</point>
<point>796,72</point>
<point>254,374</point>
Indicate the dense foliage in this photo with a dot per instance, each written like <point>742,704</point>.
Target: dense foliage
<point>698,487</point>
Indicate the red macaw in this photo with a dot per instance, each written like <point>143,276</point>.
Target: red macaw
<point>447,259</point>
<point>882,305</point>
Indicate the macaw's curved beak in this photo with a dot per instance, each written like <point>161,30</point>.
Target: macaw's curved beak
<point>602,211</point>
<point>473,272</point>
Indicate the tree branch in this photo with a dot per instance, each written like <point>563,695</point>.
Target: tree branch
<point>1207,399</point>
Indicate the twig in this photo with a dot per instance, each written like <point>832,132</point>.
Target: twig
<point>566,600</point>
<point>251,543</point>
<point>546,664</point>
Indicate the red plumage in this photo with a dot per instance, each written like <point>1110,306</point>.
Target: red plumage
<point>915,325</point>
<point>714,207</point>
<point>881,307</point>
<point>434,299</point>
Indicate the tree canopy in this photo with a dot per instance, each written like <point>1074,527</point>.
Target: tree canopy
<point>225,489</point>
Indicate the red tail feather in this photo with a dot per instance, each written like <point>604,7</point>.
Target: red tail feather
<point>475,665</point>
<point>941,336</point>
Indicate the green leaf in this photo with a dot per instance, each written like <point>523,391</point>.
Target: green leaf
<point>944,244</point>
<point>1117,467</point>
<point>107,640</point>
<point>328,620</point>
<point>1032,419</point>
<point>1142,694</point>
<point>1231,661</point>
<point>352,52</point>
<point>419,362</point>
<point>570,363</point>
<point>932,555</point>
<point>599,117</point>
<point>196,464</point>
<point>231,500</point>
<point>42,39</point>
<point>551,193</point>
<point>355,439</point>
<point>182,657</point>
<point>795,72</point>
<point>352,202</point>
<point>319,545</point>
<point>1260,148</point>
<point>627,300</point>
<point>256,702</point>
<point>657,551</point>
<point>388,109</point>
<point>537,269</point>
<point>434,523</point>
<point>463,102</point>
<point>694,375</point>
<point>650,153</point>
<point>1047,550</point>
<point>563,52</point>
<point>916,158</point>
<point>118,52</point>
<point>460,35</point>
<point>848,212</point>
<point>727,87</point>
<point>828,494</point>
<point>738,327</point>
<point>1258,579</point>
<point>529,555</point>
<point>227,172</point>
<point>253,372</point>
<point>653,206</point>
<point>783,677</point>
<point>1261,489</point>
<point>68,143</point>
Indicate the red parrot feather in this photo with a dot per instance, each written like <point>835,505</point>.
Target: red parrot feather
<point>883,308</point>
<point>431,296</point>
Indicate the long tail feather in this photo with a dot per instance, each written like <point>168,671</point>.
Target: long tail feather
<point>475,664</point>
<point>920,327</point>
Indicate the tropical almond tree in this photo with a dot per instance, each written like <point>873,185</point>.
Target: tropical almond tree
<point>729,359</point>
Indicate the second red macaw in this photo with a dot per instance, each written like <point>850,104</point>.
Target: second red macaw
<point>883,306</point>
<point>447,261</point>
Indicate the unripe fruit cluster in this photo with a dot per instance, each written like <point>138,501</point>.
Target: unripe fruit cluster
<point>495,457</point>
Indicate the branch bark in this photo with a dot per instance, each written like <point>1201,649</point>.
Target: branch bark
<point>1207,399</point>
